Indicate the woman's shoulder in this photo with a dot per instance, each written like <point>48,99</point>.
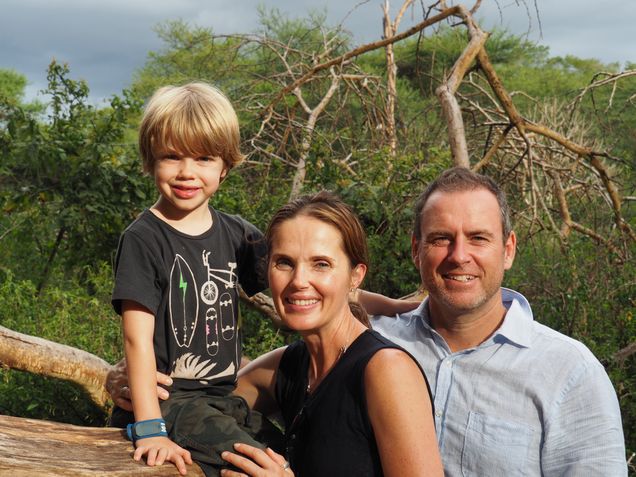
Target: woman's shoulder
<point>387,358</point>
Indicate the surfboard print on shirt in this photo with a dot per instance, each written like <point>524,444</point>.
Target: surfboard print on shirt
<point>183,302</point>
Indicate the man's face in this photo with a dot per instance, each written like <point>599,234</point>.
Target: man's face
<point>461,254</point>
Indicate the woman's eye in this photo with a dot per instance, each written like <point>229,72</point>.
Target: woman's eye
<point>283,264</point>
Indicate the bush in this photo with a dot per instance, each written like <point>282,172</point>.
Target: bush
<point>78,315</point>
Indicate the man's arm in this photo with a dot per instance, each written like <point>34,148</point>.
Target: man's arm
<point>584,433</point>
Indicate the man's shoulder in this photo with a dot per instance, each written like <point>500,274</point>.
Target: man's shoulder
<point>545,341</point>
<point>403,327</point>
<point>554,344</point>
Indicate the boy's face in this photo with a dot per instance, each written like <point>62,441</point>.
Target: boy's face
<point>186,181</point>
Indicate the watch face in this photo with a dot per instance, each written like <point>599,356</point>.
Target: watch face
<point>146,428</point>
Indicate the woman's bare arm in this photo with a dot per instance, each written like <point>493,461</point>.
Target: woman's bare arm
<point>257,382</point>
<point>401,415</point>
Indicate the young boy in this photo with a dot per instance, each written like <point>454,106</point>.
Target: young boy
<point>177,269</point>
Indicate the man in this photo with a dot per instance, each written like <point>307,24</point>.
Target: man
<point>512,396</point>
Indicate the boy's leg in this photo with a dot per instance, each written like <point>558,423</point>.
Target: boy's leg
<point>120,417</point>
<point>208,425</point>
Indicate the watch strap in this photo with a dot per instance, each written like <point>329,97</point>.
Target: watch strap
<point>144,429</point>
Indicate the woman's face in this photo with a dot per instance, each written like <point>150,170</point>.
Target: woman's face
<point>309,273</point>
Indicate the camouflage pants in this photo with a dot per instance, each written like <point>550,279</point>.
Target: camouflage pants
<point>208,425</point>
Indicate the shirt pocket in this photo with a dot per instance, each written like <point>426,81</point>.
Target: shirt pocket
<point>495,447</point>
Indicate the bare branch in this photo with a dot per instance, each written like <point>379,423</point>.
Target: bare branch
<point>40,356</point>
<point>363,49</point>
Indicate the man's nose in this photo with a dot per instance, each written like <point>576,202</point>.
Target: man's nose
<point>458,251</point>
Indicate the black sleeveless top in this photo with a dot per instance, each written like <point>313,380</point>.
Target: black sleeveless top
<point>328,433</point>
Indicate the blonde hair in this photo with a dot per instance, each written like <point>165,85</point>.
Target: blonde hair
<point>194,118</point>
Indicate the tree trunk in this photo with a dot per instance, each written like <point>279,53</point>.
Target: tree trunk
<point>31,447</point>
<point>40,356</point>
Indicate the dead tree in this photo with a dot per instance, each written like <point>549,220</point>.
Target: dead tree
<point>390,29</point>
<point>510,129</point>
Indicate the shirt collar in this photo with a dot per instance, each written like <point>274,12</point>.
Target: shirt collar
<point>517,324</point>
<point>515,328</point>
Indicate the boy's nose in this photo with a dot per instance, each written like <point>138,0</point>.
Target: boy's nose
<point>186,167</point>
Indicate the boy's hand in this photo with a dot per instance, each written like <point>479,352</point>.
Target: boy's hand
<point>161,449</point>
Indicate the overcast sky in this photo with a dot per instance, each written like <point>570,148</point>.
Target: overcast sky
<point>104,41</point>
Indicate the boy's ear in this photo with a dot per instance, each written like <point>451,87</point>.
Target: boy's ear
<point>224,172</point>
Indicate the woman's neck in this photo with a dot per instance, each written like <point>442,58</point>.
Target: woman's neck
<point>327,347</point>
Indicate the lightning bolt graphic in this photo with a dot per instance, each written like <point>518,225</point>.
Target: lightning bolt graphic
<point>183,285</point>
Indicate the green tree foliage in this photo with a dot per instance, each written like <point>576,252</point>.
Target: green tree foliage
<point>69,182</point>
<point>12,85</point>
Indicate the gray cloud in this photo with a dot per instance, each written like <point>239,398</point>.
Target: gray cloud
<point>104,42</point>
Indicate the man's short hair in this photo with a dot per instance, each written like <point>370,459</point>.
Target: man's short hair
<point>460,179</point>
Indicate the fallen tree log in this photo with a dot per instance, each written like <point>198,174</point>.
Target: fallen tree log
<point>34,447</point>
<point>47,358</point>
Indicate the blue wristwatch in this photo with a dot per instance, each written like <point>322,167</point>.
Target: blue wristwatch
<point>144,429</point>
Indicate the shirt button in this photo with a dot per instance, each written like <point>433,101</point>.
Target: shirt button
<point>438,413</point>
<point>448,363</point>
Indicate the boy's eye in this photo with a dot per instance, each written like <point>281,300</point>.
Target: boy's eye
<point>208,159</point>
<point>322,264</point>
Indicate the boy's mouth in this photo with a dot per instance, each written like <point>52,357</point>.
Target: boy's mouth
<point>185,192</point>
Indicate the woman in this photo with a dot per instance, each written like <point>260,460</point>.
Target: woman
<point>352,402</point>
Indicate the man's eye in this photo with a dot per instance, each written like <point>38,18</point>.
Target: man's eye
<point>440,241</point>
<point>322,264</point>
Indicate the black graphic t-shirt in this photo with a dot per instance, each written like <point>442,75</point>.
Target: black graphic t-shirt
<point>190,284</point>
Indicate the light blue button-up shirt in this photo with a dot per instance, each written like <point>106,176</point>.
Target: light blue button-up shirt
<point>528,401</point>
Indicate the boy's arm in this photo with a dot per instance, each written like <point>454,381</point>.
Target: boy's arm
<point>376,304</point>
<point>138,325</point>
